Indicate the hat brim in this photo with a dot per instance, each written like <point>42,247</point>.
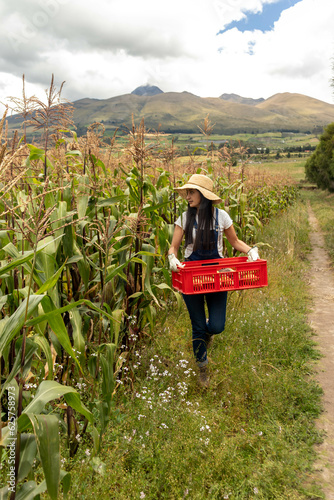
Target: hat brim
<point>205,192</point>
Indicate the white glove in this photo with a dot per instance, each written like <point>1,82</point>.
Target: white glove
<point>253,254</point>
<point>174,263</point>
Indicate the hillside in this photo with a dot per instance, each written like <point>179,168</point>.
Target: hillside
<point>298,105</point>
<point>184,112</point>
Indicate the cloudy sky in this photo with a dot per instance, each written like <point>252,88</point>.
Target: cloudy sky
<point>104,48</point>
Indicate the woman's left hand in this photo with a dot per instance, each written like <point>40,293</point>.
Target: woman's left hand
<point>253,254</point>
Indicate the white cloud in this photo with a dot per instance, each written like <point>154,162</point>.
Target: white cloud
<point>296,56</point>
<point>106,48</point>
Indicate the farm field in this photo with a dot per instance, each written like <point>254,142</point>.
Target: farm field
<point>95,343</point>
<point>278,141</point>
<point>270,139</point>
<point>293,170</point>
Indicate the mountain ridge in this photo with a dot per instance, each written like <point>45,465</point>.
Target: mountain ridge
<point>176,112</point>
<point>241,100</point>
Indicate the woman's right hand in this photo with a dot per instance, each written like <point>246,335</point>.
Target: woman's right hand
<point>174,263</point>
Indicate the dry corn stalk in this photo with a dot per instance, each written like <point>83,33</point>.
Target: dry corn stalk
<point>3,147</point>
<point>7,157</point>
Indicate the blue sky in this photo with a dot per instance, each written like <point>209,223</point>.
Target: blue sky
<point>263,21</point>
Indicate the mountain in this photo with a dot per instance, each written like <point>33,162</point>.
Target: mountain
<point>147,90</point>
<point>241,100</point>
<point>184,112</point>
<point>178,112</point>
<point>296,106</point>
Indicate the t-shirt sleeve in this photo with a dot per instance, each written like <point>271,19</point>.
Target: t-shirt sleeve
<point>225,220</point>
<point>178,222</point>
<point>181,221</point>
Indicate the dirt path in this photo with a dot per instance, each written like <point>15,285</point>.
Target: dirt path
<point>322,321</point>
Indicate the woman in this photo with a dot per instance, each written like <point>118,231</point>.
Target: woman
<point>203,226</point>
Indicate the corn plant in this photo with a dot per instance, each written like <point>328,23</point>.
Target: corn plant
<point>18,346</point>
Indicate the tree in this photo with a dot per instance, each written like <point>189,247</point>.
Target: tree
<point>319,167</point>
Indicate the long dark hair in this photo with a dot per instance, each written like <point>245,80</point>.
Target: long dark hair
<point>204,235</point>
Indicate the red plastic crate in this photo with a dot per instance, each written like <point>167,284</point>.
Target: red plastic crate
<point>219,275</point>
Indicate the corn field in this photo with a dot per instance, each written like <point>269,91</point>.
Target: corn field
<point>85,226</point>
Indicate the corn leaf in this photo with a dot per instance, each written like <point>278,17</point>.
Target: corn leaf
<point>41,341</point>
<point>73,400</point>
<point>111,201</point>
<point>107,365</point>
<point>50,283</point>
<point>30,490</point>
<point>18,260</point>
<point>15,322</point>
<point>28,450</point>
<point>31,348</point>
<point>47,391</point>
<point>116,323</point>
<point>57,325</point>
<point>54,312</point>
<point>78,339</point>
<point>65,478</point>
<point>47,437</point>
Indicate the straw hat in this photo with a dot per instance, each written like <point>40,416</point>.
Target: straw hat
<point>203,184</point>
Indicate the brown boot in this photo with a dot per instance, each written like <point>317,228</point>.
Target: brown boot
<point>209,342</point>
<point>204,380</point>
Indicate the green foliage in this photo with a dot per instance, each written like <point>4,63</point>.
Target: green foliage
<point>319,167</point>
<point>268,202</point>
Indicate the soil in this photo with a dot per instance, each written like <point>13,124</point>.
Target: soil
<point>321,319</point>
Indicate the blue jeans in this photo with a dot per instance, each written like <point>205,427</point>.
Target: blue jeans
<point>202,329</point>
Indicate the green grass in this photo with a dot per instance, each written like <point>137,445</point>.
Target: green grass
<point>252,433</point>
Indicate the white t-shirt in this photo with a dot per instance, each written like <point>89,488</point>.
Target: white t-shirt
<point>224,222</point>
